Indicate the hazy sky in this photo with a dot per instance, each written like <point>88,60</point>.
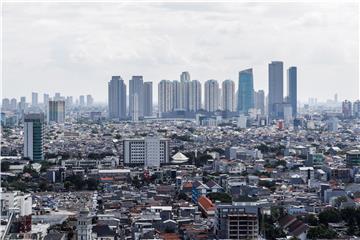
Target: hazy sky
<point>76,48</point>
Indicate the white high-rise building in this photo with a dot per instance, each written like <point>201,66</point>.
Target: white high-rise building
<point>184,95</point>
<point>194,96</point>
<point>185,77</point>
<point>135,111</point>
<point>333,124</point>
<point>212,93</point>
<point>58,96</point>
<point>136,96</point>
<point>150,151</point>
<point>276,90</point>
<point>13,104</point>
<point>177,95</point>
<point>69,101</point>
<point>259,101</point>
<point>356,109</point>
<point>56,111</point>
<point>228,95</point>
<point>5,104</point>
<point>117,98</point>
<point>288,113</point>
<point>34,99</point>
<point>34,136</point>
<point>22,104</point>
<point>46,99</point>
<point>89,100</point>
<point>81,100</point>
<point>148,99</point>
<point>165,96</point>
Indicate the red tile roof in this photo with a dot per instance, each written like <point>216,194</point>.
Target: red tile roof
<point>170,236</point>
<point>206,203</point>
<point>106,179</point>
<point>187,185</point>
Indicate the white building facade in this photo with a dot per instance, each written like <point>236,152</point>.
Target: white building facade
<point>150,151</point>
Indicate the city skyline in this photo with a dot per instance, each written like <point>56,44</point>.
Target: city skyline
<point>180,120</point>
<point>87,61</point>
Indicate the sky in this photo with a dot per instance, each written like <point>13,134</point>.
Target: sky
<point>75,48</point>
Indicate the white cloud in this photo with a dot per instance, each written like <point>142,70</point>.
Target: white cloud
<point>79,46</point>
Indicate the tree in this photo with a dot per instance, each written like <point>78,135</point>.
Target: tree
<point>18,185</point>
<point>340,200</point>
<point>268,184</point>
<point>92,184</point>
<point>5,166</point>
<point>43,186</point>
<point>202,159</point>
<point>352,218</point>
<point>311,219</point>
<point>220,196</point>
<point>294,238</point>
<point>321,232</point>
<point>45,166</point>
<point>277,212</point>
<point>67,185</point>
<point>77,181</point>
<point>267,224</point>
<point>136,182</point>
<point>29,169</point>
<point>263,148</point>
<point>245,198</point>
<point>329,215</point>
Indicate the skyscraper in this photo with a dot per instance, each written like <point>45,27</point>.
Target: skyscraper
<point>228,95</point>
<point>184,93</point>
<point>117,98</point>
<point>177,95</point>
<point>165,96</point>
<point>69,101</point>
<point>89,100</point>
<point>13,104</point>
<point>22,104</point>
<point>275,97</point>
<point>347,108</point>
<point>246,91</point>
<point>136,97</point>
<point>185,77</point>
<point>356,108</point>
<point>148,99</point>
<point>5,104</point>
<point>292,89</point>
<point>34,136</point>
<point>82,100</point>
<point>212,93</point>
<point>57,96</point>
<point>259,101</point>
<point>194,96</point>
<point>34,99</point>
<point>46,99</point>
<point>56,111</point>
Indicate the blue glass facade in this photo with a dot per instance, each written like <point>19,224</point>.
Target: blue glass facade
<point>245,91</point>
